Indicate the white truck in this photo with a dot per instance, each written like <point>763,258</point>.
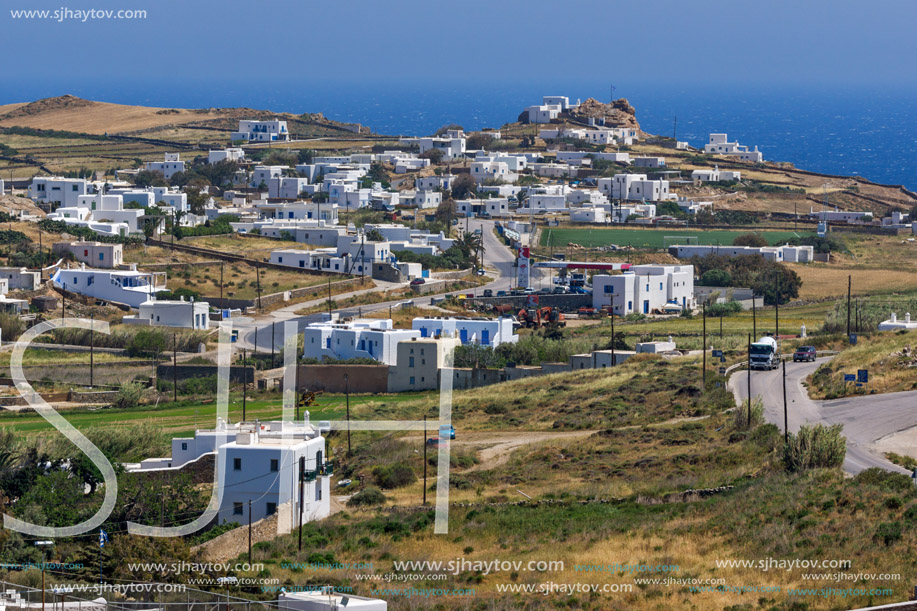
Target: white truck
<point>763,354</point>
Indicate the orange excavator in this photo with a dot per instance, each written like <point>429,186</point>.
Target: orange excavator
<point>535,319</point>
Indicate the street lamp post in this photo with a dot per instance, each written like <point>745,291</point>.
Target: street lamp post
<point>43,544</point>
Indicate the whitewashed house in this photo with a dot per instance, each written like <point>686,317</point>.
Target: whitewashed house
<point>20,279</point>
<point>644,289</point>
<point>431,183</point>
<point>261,131</point>
<point>56,190</point>
<point>127,287</point>
<point>172,313</point>
<point>719,145</point>
<point>171,165</point>
<point>635,187</point>
<point>282,187</point>
<point>227,154</point>
<point>482,331</point>
<point>360,338</point>
<point>543,113</point>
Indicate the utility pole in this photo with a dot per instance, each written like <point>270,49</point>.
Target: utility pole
<point>244,384</point>
<point>786,419</point>
<point>777,304</point>
<point>612,315</point>
<point>704,349</point>
<point>424,459</point>
<point>329,297</point>
<point>754,316</point>
<point>222,305</point>
<point>721,326</point>
<point>347,395</point>
<point>849,285</point>
<point>92,319</point>
<point>675,130</point>
<point>258,279</point>
<point>302,471</point>
<point>174,368</point>
<point>273,326</point>
<point>249,531</point>
<point>749,381</point>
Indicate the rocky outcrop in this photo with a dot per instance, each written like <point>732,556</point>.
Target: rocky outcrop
<point>619,113</point>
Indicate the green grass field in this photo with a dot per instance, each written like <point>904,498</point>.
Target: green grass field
<point>650,238</point>
<point>183,419</point>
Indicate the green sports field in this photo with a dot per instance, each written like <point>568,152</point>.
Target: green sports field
<point>652,238</point>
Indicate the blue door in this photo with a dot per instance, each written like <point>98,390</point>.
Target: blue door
<point>485,337</point>
<point>646,306</point>
<point>463,336</point>
<point>423,332</point>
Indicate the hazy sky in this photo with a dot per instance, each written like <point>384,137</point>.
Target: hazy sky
<point>291,42</point>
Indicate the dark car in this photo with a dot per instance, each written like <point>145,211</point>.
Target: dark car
<point>488,293</point>
<point>804,353</point>
<point>418,281</point>
<point>435,442</point>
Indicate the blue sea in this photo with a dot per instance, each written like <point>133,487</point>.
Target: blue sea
<point>837,130</point>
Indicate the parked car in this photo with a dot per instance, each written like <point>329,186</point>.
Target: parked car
<point>418,281</point>
<point>447,431</point>
<point>804,353</point>
<point>488,293</point>
<point>435,442</point>
<point>480,271</point>
<point>559,290</point>
<point>545,291</point>
<point>528,291</point>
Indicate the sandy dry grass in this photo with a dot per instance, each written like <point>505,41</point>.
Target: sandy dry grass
<point>880,353</point>
<point>823,280</point>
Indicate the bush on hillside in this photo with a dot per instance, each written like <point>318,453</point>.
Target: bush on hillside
<point>815,446</point>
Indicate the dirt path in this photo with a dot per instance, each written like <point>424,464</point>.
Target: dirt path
<point>499,445</point>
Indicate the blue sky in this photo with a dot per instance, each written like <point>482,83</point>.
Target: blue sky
<point>207,43</point>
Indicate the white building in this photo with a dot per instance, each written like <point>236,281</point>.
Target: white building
<point>543,113</point>
<point>227,154</point>
<point>20,279</point>
<point>263,173</point>
<point>328,601</point>
<point>497,171</point>
<point>635,187</point>
<point>893,324</point>
<point>94,254</point>
<point>588,214</point>
<point>780,254</point>
<point>362,338</point>
<point>715,175</point>
<point>842,216</point>
<point>645,289</point>
<point>171,165</point>
<point>309,211</point>
<point>57,190</point>
<point>482,331</point>
<point>494,207</point>
<point>649,162</point>
<point>719,145</point>
<point>261,131</point>
<point>129,287</point>
<point>282,187</point>
<point>431,183</point>
<point>172,313</point>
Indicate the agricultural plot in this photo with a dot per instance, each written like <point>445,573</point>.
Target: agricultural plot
<point>652,238</point>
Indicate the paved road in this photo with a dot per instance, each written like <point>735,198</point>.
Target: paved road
<point>498,260</point>
<point>866,419</point>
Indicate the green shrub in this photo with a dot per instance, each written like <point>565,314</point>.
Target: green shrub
<point>888,532</point>
<point>128,395</point>
<point>367,497</point>
<point>815,446</point>
<point>740,415</point>
<point>393,476</point>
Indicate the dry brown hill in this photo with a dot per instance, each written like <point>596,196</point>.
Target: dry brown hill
<point>70,113</point>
